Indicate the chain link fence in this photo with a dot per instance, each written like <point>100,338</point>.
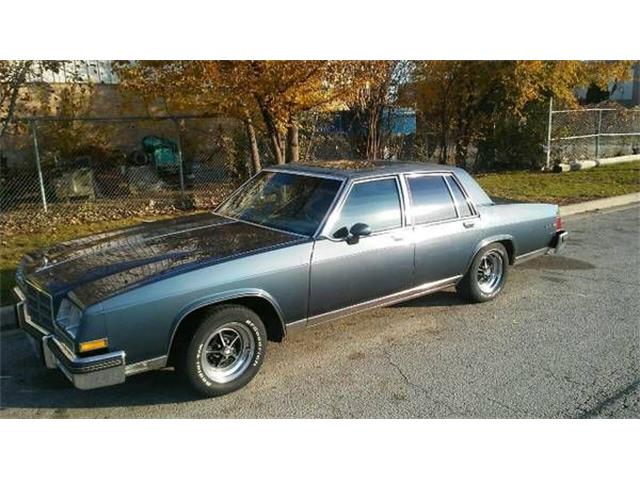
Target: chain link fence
<point>56,170</point>
<point>591,134</point>
<point>113,168</point>
<point>91,169</point>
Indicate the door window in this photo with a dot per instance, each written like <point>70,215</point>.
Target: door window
<point>376,203</point>
<point>430,199</point>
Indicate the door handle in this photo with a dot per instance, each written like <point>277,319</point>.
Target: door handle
<point>469,224</point>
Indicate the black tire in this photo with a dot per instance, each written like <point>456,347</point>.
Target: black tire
<point>475,290</point>
<point>217,326</point>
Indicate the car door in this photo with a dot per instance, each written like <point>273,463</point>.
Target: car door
<point>446,227</point>
<point>348,271</point>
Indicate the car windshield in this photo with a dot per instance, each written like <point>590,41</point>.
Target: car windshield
<point>289,202</point>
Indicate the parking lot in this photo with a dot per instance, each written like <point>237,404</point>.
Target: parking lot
<point>562,340</point>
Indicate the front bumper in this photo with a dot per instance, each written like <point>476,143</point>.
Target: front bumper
<point>84,372</point>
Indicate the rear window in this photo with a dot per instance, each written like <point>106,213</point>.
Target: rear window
<point>430,199</point>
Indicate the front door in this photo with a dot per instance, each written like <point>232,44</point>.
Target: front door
<point>346,272</point>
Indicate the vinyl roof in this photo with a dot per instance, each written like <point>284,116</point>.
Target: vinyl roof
<point>363,168</point>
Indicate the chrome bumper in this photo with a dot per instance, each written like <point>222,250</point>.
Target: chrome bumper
<point>558,243</point>
<point>84,372</point>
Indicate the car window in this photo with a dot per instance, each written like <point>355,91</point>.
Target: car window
<point>461,202</point>
<point>430,199</point>
<point>294,203</point>
<point>376,203</point>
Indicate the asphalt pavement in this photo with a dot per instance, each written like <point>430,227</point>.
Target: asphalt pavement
<point>561,341</point>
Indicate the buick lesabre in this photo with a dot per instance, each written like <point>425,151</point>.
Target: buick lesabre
<point>295,246</point>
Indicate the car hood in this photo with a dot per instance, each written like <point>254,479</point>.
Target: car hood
<point>102,265</point>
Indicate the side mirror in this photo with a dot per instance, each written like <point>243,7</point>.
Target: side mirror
<point>341,233</point>
<point>360,230</point>
<point>352,235</point>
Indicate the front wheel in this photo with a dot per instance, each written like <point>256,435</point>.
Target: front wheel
<point>225,351</point>
<point>486,275</point>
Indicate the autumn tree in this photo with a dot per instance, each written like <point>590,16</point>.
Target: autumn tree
<point>175,87</point>
<point>379,89</point>
<point>460,101</point>
<point>283,91</point>
<point>14,77</point>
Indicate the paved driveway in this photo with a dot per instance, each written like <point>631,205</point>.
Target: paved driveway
<point>561,341</point>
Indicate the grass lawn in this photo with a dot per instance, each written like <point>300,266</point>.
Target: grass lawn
<point>13,248</point>
<point>564,188</point>
<point>561,188</point>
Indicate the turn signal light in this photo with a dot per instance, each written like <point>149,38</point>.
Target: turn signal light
<point>93,345</point>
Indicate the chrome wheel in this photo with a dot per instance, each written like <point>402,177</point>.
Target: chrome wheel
<point>490,272</point>
<point>228,352</point>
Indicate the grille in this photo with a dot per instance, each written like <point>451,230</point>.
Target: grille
<point>39,306</point>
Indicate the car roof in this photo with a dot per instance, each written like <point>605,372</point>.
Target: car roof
<point>355,169</point>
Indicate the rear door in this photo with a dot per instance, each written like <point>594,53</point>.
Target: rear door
<point>445,226</point>
<point>344,274</point>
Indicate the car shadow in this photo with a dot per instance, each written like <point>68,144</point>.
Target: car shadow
<point>25,383</point>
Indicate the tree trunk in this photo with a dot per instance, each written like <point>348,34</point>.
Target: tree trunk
<point>373,140</point>
<point>293,147</point>
<point>274,133</point>
<point>253,144</point>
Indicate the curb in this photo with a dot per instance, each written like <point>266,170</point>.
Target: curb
<point>594,162</point>
<point>8,318</point>
<point>593,205</point>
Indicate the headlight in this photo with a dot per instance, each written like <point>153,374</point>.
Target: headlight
<point>69,316</point>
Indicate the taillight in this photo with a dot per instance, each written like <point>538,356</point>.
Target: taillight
<point>558,223</point>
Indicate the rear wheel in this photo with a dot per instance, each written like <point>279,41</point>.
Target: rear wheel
<point>225,351</point>
<point>487,274</point>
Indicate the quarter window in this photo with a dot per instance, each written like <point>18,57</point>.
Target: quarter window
<point>461,201</point>
<point>376,203</point>
<point>430,199</point>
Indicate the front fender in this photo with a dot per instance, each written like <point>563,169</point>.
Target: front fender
<point>224,297</point>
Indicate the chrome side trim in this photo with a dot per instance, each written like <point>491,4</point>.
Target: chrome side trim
<point>295,326</point>
<point>146,365</point>
<point>275,168</point>
<point>386,300</point>
<point>531,255</point>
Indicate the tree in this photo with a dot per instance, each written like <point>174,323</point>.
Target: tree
<point>189,86</point>
<point>282,91</point>
<point>272,95</point>
<point>379,89</point>
<point>462,102</point>
<point>14,76</point>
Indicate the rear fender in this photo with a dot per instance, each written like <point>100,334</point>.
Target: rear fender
<point>495,238</point>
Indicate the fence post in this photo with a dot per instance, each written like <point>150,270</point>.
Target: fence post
<point>181,164</point>
<point>36,150</point>
<point>548,165</point>
<point>598,134</point>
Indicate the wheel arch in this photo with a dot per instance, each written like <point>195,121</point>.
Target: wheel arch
<point>257,300</point>
<point>505,239</point>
